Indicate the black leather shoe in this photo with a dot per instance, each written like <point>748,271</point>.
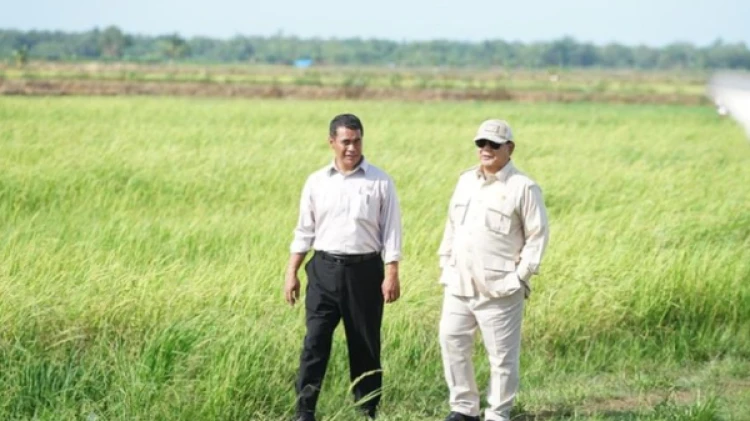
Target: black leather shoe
<point>370,413</point>
<point>304,416</point>
<point>457,416</point>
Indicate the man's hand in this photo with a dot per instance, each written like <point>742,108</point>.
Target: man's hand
<point>391,286</point>
<point>291,288</point>
<point>391,289</point>
<point>291,284</point>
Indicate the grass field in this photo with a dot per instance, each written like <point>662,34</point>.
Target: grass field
<point>143,243</point>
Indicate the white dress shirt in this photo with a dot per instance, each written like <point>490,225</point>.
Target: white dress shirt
<point>356,213</point>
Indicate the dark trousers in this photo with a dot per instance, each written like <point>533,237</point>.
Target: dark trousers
<point>352,292</point>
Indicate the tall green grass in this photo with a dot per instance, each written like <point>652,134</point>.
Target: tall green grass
<point>143,245</point>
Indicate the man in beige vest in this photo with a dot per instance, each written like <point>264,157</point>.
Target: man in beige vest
<point>493,243</point>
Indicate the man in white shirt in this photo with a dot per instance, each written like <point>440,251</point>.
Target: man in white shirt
<point>350,215</point>
<point>494,240</point>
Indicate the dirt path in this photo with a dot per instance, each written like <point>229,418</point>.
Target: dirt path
<point>197,89</point>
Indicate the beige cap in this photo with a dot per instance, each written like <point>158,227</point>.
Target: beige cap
<point>497,131</point>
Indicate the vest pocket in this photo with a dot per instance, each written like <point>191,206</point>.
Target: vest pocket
<point>498,220</point>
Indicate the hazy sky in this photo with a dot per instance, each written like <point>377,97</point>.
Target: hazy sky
<point>652,22</point>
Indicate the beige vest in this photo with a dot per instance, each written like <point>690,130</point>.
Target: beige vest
<point>488,233</point>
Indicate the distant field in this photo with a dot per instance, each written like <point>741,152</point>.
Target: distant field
<point>340,82</point>
<point>143,244</point>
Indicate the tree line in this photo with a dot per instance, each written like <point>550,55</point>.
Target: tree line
<point>113,44</point>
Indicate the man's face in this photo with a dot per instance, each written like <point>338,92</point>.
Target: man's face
<point>493,156</point>
<point>347,147</point>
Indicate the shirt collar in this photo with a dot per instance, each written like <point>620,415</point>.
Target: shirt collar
<point>363,165</point>
<point>501,175</point>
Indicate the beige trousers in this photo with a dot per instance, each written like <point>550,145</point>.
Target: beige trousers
<point>499,321</point>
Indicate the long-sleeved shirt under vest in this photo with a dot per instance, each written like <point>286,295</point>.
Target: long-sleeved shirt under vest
<point>496,233</point>
<point>356,213</point>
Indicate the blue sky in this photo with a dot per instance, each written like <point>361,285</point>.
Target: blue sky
<point>651,22</point>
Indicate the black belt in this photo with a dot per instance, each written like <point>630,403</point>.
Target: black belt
<point>346,259</point>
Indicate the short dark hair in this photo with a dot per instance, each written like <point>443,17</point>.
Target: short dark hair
<point>350,121</point>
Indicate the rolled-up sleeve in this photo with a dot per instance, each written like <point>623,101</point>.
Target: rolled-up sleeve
<point>304,232</point>
<point>536,229</point>
<point>390,224</point>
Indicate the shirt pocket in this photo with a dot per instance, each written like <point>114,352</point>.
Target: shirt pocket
<point>458,212</point>
<point>364,205</point>
<point>498,219</point>
<point>449,274</point>
<point>499,276</point>
<point>495,268</point>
